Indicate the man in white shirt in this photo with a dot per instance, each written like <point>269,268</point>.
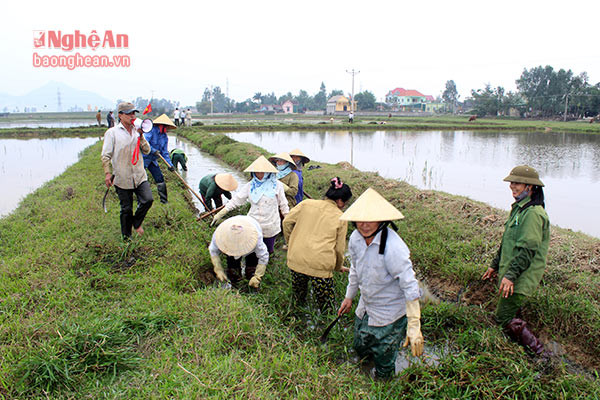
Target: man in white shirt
<point>122,145</point>
<point>176,116</point>
<point>381,268</point>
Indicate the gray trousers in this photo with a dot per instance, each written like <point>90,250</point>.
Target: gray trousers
<point>144,200</point>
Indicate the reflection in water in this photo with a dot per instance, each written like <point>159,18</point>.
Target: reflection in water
<point>27,164</point>
<point>200,164</point>
<point>466,163</point>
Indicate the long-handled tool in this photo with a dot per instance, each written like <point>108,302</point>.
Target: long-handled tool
<point>112,178</point>
<point>328,329</point>
<point>184,182</point>
<point>306,194</point>
<point>211,212</point>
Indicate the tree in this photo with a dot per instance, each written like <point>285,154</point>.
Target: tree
<point>545,89</point>
<point>320,99</point>
<point>335,92</point>
<point>450,95</point>
<point>365,100</point>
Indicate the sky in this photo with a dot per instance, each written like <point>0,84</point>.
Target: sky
<point>177,49</point>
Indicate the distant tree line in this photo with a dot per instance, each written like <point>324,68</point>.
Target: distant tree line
<point>304,101</point>
<point>541,92</point>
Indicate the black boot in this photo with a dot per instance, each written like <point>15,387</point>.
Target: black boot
<point>162,192</point>
<point>518,331</point>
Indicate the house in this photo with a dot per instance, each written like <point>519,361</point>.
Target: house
<point>339,103</point>
<point>290,107</point>
<point>270,108</point>
<point>408,99</point>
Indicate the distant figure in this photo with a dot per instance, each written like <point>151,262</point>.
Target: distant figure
<point>182,117</point>
<point>176,116</point>
<point>472,118</point>
<point>351,117</point>
<point>178,157</point>
<point>99,118</point>
<point>188,117</point>
<point>390,115</point>
<point>331,120</point>
<point>110,119</point>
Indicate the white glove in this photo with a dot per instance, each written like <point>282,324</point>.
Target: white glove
<point>258,274</point>
<point>216,262</point>
<point>218,217</point>
<point>413,328</point>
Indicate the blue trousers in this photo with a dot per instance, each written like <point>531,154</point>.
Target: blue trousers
<point>156,173</point>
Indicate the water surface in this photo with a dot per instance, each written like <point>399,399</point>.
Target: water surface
<point>468,163</point>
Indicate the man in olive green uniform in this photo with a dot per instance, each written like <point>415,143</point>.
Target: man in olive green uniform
<point>178,157</point>
<point>213,186</point>
<point>521,259</point>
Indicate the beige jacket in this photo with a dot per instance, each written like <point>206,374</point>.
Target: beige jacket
<point>118,150</point>
<point>316,238</point>
<point>292,181</point>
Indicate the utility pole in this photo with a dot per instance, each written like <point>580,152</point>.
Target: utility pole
<point>566,106</point>
<point>353,73</point>
<point>151,95</point>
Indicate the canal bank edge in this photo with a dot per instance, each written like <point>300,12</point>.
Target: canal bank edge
<point>70,283</point>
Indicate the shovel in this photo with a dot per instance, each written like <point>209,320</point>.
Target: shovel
<point>328,329</point>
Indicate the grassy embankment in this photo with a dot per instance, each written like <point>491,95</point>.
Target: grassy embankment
<point>84,315</point>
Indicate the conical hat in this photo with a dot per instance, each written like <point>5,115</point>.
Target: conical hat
<point>165,120</point>
<point>226,182</point>
<point>261,164</point>
<point>236,236</point>
<point>371,207</point>
<point>284,157</point>
<point>299,153</point>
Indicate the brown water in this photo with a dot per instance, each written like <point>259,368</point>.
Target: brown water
<point>468,163</point>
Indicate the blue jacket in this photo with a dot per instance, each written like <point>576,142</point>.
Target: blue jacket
<point>158,141</point>
<point>300,195</point>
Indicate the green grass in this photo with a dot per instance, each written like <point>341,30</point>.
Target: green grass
<point>83,315</point>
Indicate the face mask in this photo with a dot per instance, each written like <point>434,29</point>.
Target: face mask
<point>522,195</point>
<point>282,167</point>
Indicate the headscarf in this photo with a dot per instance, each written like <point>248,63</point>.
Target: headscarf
<point>283,170</point>
<point>265,186</point>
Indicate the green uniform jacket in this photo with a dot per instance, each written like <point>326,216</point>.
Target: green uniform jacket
<point>178,151</point>
<point>209,189</point>
<point>291,180</point>
<point>527,231</point>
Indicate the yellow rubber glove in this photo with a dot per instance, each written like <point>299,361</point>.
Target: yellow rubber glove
<point>216,262</point>
<point>218,217</point>
<point>413,328</point>
<point>255,280</point>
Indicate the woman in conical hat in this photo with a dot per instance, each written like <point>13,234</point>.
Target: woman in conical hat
<point>214,185</point>
<point>381,269</point>
<point>301,160</point>
<point>317,241</point>
<point>267,200</point>
<point>159,143</point>
<point>285,166</point>
<point>521,259</point>
<point>236,237</point>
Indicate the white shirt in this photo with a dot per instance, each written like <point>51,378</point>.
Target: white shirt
<point>176,114</point>
<point>261,249</point>
<point>386,281</point>
<point>265,211</point>
<point>118,148</point>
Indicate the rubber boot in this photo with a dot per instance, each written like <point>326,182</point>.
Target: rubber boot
<point>162,192</point>
<point>518,331</point>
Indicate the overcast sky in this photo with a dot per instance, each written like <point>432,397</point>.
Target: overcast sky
<point>179,48</point>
